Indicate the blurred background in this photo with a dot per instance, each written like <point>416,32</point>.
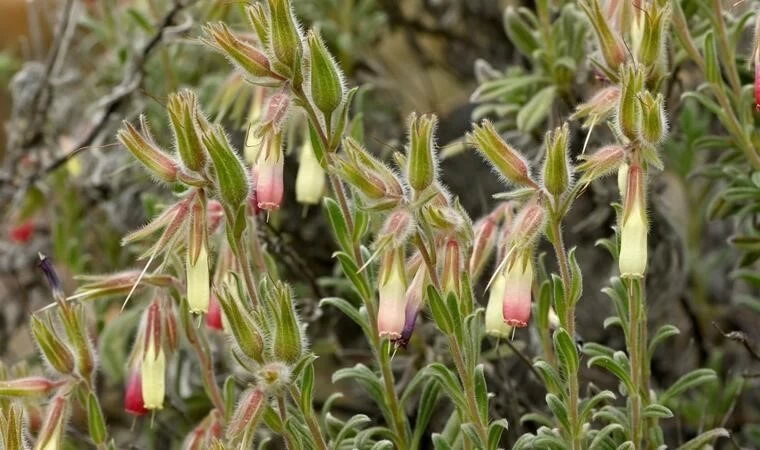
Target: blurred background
<point>71,70</point>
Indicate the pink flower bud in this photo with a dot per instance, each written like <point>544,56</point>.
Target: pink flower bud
<point>247,414</point>
<point>452,268</point>
<point>391,315</point>
<point>483,245</point>
<point>51,434</point>
<point>528,224</point>
<point>27,387</point>
<point>214,315</point>
<point>517,294</point>
<point>133,398</point>
<point>269,171</point>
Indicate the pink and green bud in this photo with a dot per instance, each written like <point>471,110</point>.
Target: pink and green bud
<point>269,173</point>
<point>50,436</point>
<point>421,163</point>
<point>654,125</point>
<point>518,291</point>
<point>246,417</point>
<point>602,163</point>
<point>629,110</point>
<point>452,268</point>
<point>371,177</point>
<point>144,148</point>
<point>634,226</point>
<point>257,16</point>
<point>231,178</point>
<point>153,364</point>
<point>285,36</point>
<point>13,427</point>
<point>528,224</point>
<point>610,43</point>
<point>74,321</point>
<point>53,349</point>
<point>599,107</point>
<point>133,397</point>
<point>396,229</point>
<point>483,244</point>
<point>325,79</point>
<point>311,180</point>
<point>557,171</point>
<point>120,283</point>
<point>197,264</point>
<point>414,296</point>
<point>507,161</point>
<point>276,112</point>
<point>252,61</point>
<point>29,387</point>
<point>391,315</point>
<point>495,324</point>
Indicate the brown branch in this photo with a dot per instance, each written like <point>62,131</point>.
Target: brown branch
<point>741,337</point>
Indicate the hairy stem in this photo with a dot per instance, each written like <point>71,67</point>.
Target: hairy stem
<point>200,345</point>
<point>634,352</point>
<point>311,420</point>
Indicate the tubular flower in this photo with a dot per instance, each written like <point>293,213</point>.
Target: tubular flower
<point>517,293</point>
<point>495,324</point>
<point>634,227</point>
<point>414,296</point>
<point>214,317</point>
<point>310,180</point>
<point>391,315</point>
<point>269,173</point>
<point>153,366</point>
<point>133,398</point>
<point>197,262</point>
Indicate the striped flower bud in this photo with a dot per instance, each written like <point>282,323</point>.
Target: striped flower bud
<point>245,332</point>
<point>507,161</point>
<point>495,324</point>
<point>606,160</point>
<point>634,227</point>
<point>632,80</point>
<point>250,60</point>
<point>483,244</point>
<point>391,315</point>
<point>28,387</point>
<point>421,164</point>
<point>653,125</point>
<point>325,78</point>
<point>285,36</point>
<point>287,338</point>
<point>246,417</point>
<point>144,148</point>
<point>452,268</point>
<point>528,224</point>
<point>599,107</point>
<point>517,294</point>
<point>557,173</point>
<point>52,347</point>
<point>311,180</point>
<point>184,114</point>
<point>610,43</point>
<point>153,364</point>
<point>50,436</point>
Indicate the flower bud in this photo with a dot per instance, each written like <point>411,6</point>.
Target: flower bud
<point>276,112</point>
<point>52,347</point>
<point>287,336</point>
<point>153,365</point>
<point>528,224</point>
<point>28,387</point>
<point>145,149</point>
<point>371,177</point>
<point>421,163</point>
<point>654,125</point>
<point>285,36</point>
<point>75,326</point>
<point>269,173</point>
<point>632,79</point>
<point>495,324</point>
<point>250,60</point>
<point>414,296</point>
<point>507,161</point>
<point>232,182</point>
<point>483,244</point>
<point>610,43</point>
<point>214,316</point>
<point>634,226</point>
<point>310,180</point>
<point>602,163</point>
<point>51,434</point>
<point>652,46</point>
<point>183,112</point>
<point>517,294</point>
<point>13,433</point>
<point>391,314</point>
<point>599,107</point>
<point>396,229</point>
<point>133,397</point>
<point>119,283</point>
<point>452,268</point>
<point>244,331</point>
<point>257,16</point>
<point>246,417</point>
<point>197,260</point>
<point>326,82</point>
<point>557,168</point>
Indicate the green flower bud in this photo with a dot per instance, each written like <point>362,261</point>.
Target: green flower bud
<point>652,47</point>
<point>421,163</point>
<point>13,436</point>
<point>250,60</point>
<point>52,347</point>
<point>257,16</point>
<point>508,162</point>
<point>712,68</point>
<point>29,387</point>
<point>654,125</point>
<point>285,36</point>
<point>557,168</point>
<point>632,79</point>
<point>610,43</point>
<point>144,148</point>
<point>246,334</point>
<point>326,81</point>
<point>183,114</point>
<point>287,337</point>
<point>232,181</point>
<point>75,326</point>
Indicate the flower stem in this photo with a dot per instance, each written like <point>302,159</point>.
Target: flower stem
<point>200,345</point>
<point>311,420</point>
<point>634,352</point>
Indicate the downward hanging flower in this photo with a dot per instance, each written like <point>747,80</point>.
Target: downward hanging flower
<point>269,173</point>
<point>414,297</point>
<point>517,293</point>
<point>391,315</point>
<point>311,179</point>
<point>133,398</point>
<point>197,259</point>
<point>634,227</point>
<point>153,366</point>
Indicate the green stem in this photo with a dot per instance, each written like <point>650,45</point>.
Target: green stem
<point>289,443</point>
<point>311,420</point>
<point>634,352</point>
<point>245,267</point>
<point>469,389</point>
<point>573,383</point>
<point>200,345</point>
<point>729,55</point>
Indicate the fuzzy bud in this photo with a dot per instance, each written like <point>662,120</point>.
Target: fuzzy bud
<point>632,79</point>
<point>452,268</point>
<point>528,224</point>
<point>557,169</point>
<point>144,148</point>
<point>75,325</point>
<point>326,82</point>
<point>606,160</point>
<point>50,436</point>
<point>247,415</point>
<point>310,180</point>
<point>52,347</point>
<point>421,164</point>
<point>252,61</point>
<point>285,36</point>
<point>507,161</point>
<point>244,331</point>
<point>610,43</point>
<point>634,226</point>
<point>397,227</point>
<point>371,177</point>
<point>652,46</point>
<point>231,178</point>
<point>599,107</point>
<point>28,387</point>
<point>654,125</point>
<point>287,336</point>
<point>197,260</point>
<point>183,114</point>
<point>483,244</point>
<point>392,292</point>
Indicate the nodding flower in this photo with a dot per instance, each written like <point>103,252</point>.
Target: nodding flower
<point>197,260</point>
<point>133,397</point>
<point>391,316</point>
<point>634,226</point>
<point>214,316</point>
<point>517,293</point>
<point>495,324</point>
<point>414,295</point>
<point>269,172</point>
<point>311,179</point>
<point>153,364</point>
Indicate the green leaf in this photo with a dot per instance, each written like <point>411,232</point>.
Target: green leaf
<point>537,109</point>
<point>96,423</point>
<point>576,285</point>
<point>550,376</point>
<point>657,411</point>
<point>559,410</point>
<point>588,405</point>
<point>705,438</point>
<point>428,401</point>
<point>338,225</point>
<point>604,434</point>
<point>307,387</point>
<point>495,431</point>
<point>627,445</point>
<point>369,381</point>
<point>440,312</point>
<point>449,382</point>
<point>383,445</point>
<point>663,333</point>
<point>690,380</point>
<point>439,442</point>
<point>472,435</point>
<point>351,427</point>
<point>349,310</point>
<point>566,350</point>
<point>558,294</point>
<point>614,368</point>
<point>481,392</point>
<point>351,271</point>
